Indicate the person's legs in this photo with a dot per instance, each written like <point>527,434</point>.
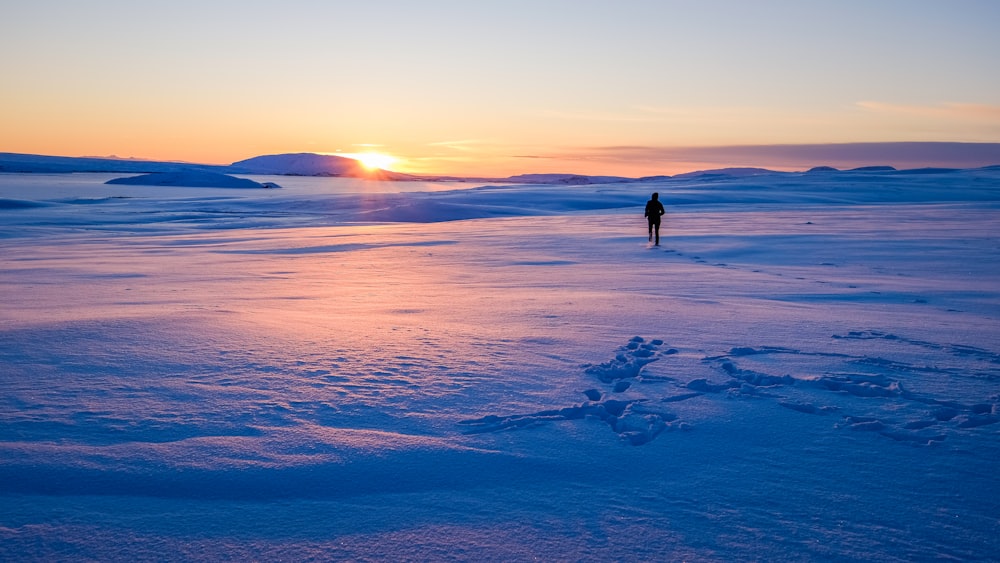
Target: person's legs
<point>656,227</point>
<point>650,231</point>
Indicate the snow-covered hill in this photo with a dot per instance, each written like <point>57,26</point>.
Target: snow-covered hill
<point>35,163</point>
<point>310,164</point>
<point>299,164</point>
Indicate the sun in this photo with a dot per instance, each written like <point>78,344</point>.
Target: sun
<point>373,160</point>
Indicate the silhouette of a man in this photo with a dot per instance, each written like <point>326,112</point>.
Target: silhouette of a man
<point>654,210</point>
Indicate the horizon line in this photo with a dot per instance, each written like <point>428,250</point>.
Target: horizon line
<point>782,157</point>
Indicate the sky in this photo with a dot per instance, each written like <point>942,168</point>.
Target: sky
<point>492,88</point>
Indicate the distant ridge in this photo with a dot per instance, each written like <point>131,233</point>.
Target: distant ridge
<point>311,164</point>
<point>873,169</point>
<point>34,163</point>
<point>727,172</point>
<point>568,179</point>
<point>298,164</point>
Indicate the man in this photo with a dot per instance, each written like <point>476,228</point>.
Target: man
<point>654,210</point>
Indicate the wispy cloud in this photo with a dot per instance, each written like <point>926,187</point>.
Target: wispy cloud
<point>610,117</point>
<point>947,110</point>
<point>465,145</point>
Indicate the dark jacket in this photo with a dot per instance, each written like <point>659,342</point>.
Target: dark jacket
<point>654,209</point>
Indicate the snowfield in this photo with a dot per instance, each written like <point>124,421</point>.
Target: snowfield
<point>808,368</point>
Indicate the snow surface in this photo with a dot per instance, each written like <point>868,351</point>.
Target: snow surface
<point>807,369</point>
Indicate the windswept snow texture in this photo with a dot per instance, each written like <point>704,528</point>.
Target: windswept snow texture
<point>808,368</point>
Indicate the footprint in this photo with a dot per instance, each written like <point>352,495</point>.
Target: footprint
<point>635,421</point>
<point>629,361</point>
<point>866,391</point>
<point>807,408</point>
<point>877,390</point>
<point>629,419</point>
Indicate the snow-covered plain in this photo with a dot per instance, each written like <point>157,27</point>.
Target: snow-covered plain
<point>808,368</point>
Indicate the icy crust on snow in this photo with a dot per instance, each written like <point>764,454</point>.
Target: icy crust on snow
<point>501,373</point>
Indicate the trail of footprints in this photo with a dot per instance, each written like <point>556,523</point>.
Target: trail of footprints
<point>636,421</point>
<point>880,402</point>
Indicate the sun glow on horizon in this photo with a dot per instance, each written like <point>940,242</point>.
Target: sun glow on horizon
<point>372,160</point>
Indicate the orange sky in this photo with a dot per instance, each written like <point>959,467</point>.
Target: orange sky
<point>492,88</point>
